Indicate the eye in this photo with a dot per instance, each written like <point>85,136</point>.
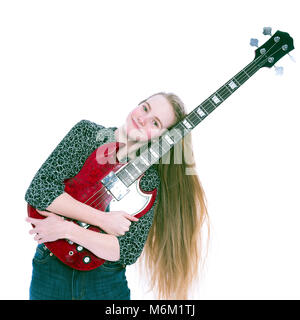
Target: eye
<point>156,124</point>
<point>145,108</point>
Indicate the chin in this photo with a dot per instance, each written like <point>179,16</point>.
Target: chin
<point>134,134</point>
<point>138,138</point>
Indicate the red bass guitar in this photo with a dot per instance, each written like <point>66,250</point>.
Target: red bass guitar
<point>102,182</point>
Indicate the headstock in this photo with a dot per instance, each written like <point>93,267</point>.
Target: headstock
<point>274,49</point>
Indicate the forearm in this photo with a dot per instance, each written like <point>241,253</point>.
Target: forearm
<point>104,246</point>
<point>65,205</point>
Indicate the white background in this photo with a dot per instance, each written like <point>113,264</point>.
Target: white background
<point>63,61</point>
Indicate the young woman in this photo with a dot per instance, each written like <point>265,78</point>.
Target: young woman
<point>168,238</point>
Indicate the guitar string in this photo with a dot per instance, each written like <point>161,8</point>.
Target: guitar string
<point>254,64</point>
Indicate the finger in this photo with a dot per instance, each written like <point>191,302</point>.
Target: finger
<point>50,214</point>
<point>40,240</point>
<point>33,220</point>
<point>45,213</point>
<point>32,231</point>
<point>37,237</point>
<point>132,218</point>
<point>124,229</point>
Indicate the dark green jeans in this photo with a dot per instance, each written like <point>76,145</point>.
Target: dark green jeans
<point>53,280</point>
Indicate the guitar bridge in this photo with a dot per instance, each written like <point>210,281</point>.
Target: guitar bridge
<point>115,186</point>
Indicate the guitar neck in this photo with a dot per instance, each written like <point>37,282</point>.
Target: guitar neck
<point>135,168</point>
<point>219,96</point>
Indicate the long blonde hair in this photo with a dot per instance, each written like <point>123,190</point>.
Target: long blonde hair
<point>174,251</point>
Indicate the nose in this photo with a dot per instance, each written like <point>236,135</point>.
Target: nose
<point>141,121</point>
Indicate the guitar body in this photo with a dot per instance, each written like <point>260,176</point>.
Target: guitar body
<point>87,188</point>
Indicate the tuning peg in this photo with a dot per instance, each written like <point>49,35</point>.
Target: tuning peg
<point>267,31</point>
<point>253,42</point>
<point>292,58</point>
<point>279,71</point>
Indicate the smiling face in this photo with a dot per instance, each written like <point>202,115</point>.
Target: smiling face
<point>150,119</point>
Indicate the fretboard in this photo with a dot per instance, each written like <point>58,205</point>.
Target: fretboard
<point>135,168</point>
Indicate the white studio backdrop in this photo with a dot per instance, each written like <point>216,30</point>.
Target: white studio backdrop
<point>63,61</point>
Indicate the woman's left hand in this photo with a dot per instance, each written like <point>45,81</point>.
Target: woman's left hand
<point>52,228</point>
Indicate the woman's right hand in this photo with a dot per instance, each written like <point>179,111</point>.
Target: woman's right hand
<point>116,222</point>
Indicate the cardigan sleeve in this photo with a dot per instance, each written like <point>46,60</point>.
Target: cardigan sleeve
<point>133,241</point>
<point>64,162</point>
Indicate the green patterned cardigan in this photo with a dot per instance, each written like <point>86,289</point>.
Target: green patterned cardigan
<point>66,161</point>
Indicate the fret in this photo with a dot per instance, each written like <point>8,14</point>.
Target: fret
<point>251,69</point>
<point>136,168</point>
<point>219,95</point>
<point>241,78</point>
<point>145,159</point>
<point>206,106</point>
<point>124,177</point>
<point>180,127</point>
<point>179,133</point>
<point>224,92</point>
<point>157,148</point>
<point>163,146</point>
<point>131,171</point>
<point>187,123</point>
<point>193,119</point>
<point>121,175</point>
<point>212,105</point>
<point>168,138</point>
<point>176,133</point>
<point>196,118</point>
<point>154,154</point>
<point>201,112</point>
<point>234,78</point>
<point>232,85</point>
<point>198,114</point>
<point>167,141</point>
<point>150,157</point>
<point>140,164</point>
<point>246,73</point>
<point>128,178</point>
<point>229,89</point>
<point>215,99</point>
